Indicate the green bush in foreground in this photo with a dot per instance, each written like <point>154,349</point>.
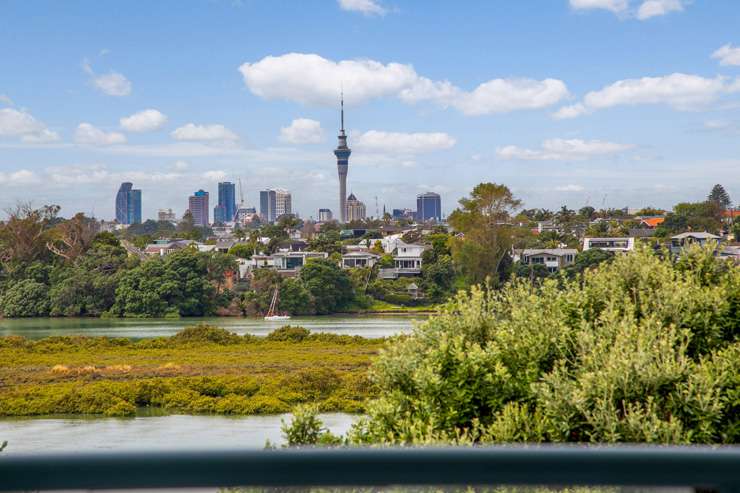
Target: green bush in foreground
<point>642,349</point>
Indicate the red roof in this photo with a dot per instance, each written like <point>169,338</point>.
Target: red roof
<point>731,213</point>
<point>653,222</point>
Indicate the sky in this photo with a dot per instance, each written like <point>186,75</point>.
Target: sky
<point>608,103</point>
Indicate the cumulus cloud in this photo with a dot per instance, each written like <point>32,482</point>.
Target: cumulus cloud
<point>213,133</point>
<point>624,8</point>
<point>563,150</point>
<point>312,79</point>
<point>87,134</point>
<point>302,131</point>
<point>615,6</point>
<point>112,83</point>
<point>20,177</point>
<point>99,174</point>
<point>21,124</point>
<point>366,7</point>
<point>143,121</point>
<point>403,143</point>
<point>215,175</point>
<point>680,91</point>
<point>654,8</point>
<point>727,55</point>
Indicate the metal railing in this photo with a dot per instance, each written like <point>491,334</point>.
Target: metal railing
<point>700,467</point>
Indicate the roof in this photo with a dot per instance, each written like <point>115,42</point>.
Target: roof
<point>558,252</point>
<point>351,197</point>
<point>412,287</point>
<point>731,213</point>
<point>653,221</point>
<point>360,254</point>
<point>703,235</point>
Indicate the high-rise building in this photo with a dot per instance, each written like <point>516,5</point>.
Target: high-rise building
<point>283,203</point>
<point>325,215</point>
<point>227,200</point>
<point>128,204</point>
<point>355,210</point>
<point>428,207</point>
<point>134,206</point>
<point>268,205</point>
<point>342,152</point>
<point>167,215</point>
<point>198,206</point>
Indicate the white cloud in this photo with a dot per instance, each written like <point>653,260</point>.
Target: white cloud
<point>366,7</point>
<point>215,175</point>
<point>403,143</point>
<point>302,131</point>
<point>654,8</point>
<point>569,188</point>
<point>181,165</point>
<point>680,91</point>
<point>563,150</point>
<point>144,121</point>
<point>20,177</point>
<point>112,83</point>
<point>727,55</point>
<point>21,124</point>
<point>98,174</point>
<point>312,79</point>
<point>214,132</point>
<point>624,8</point>
<point>615,6</point>
<point>87,134</point>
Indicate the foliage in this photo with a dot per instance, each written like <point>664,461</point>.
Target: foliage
<point>306,428</point>
<point>26,298</point>
<point>720,197</point>
<point>329,286</point>
<point>242,250</point>
<point>699,216</point>
<point>288,333</point>
<point>295,298</point>
<point>483,219</point>
<point>206,333</point>
<point>641,349</point>
<point>588,259</point>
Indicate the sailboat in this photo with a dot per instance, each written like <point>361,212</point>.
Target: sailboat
<point>272,314</point>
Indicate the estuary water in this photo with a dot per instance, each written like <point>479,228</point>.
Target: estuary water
<point>174,432</point>
<point>371,326</point>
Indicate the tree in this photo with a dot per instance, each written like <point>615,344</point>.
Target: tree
<point>586,212</point>
<point>483,220</point>
<point>588,259</point>
<point>720,197</point>
<point>295,298</point>
<point>24,235</point>
<point>330,287</point>
<point>26,298</point>
<point>71,238</point>
<point>242,250</point>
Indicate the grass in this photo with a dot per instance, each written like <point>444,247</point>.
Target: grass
<point>200,370</point>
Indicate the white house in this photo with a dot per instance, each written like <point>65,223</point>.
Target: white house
<point>626,244</point>
<point>552,258</point>
<point>359,258</point>
<point>284,262</point>
<point>407,261</point>
<point>683,240</point>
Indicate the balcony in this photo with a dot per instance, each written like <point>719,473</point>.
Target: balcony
<point>708,468</point>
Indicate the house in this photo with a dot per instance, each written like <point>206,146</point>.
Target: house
<point>651,222</point>
<point>626,244</point>
<point>285,262</point>
<point>165,247</point>
<point>679,242</point>
<point>552,258</point>
<point>359,258</point>
<point>413,291</point>
<point>731,253</point>
<point>407,260</point>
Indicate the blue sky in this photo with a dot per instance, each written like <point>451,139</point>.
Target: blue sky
<point>601,102</point>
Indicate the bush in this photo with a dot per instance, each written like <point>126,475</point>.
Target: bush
<point>206,333</point>
<point>640,349</point>
<point>288,333</point>
<point>26,298</point>
<point>307,429</point>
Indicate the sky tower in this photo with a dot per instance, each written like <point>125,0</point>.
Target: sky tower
<point>342,153</point>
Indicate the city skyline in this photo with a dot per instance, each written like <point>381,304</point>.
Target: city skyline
<point>439,100</point>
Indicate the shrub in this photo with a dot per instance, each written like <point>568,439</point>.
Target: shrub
<point>26,298</point>
<point>307,429</point>
<point>288,333</point>
<point>206,333</point>
<point>640,349</point>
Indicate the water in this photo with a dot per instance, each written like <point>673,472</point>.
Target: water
<point>151,433</point>
<point>371,326</point>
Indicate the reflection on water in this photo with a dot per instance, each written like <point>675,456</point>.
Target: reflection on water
<point>367,326</point>
<point>73,434</point>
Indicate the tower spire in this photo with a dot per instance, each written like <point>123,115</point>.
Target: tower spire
<point>341,103</point>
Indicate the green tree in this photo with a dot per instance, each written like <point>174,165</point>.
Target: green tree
<point>26,298</point>
<point>295,298</point>
<point>242,250</point>
<point>720,197</point>
<point>483,219</point>
<point>588,259</point>
<point>330,287</point>
<point>586,212</point>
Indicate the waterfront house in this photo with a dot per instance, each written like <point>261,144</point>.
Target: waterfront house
<point>552,258</point>
<point>359,258</point>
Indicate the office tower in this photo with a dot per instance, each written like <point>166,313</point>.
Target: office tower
<point>268,205</point>
<point>428,207</point>
<point>355,209</point>
<point>219,214</point>
<point>227,199</point>
<point>325,215</point>
<point>342,152</point>
<point>166,215</point>
<point>128,204</point>
<point>283,203</point>
<point>134,206</point>
<point>198,206</point>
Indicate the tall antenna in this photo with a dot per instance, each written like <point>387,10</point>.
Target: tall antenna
<point>377,211</point>
<point>341,103</point>
<point>241,191</point>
